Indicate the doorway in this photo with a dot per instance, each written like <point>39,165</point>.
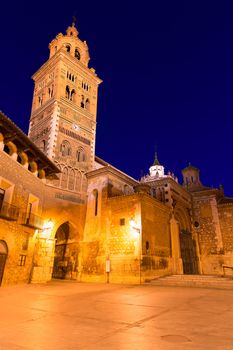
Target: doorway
<point>188,253</point>
<point>66,252</point>
<point>60,261</point>
<point>3,256</point>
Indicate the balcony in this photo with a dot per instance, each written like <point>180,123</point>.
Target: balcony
<point>33,221</point>
<point>9,211</point>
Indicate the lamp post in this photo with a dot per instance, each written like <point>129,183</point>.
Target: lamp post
<point>138,235</point>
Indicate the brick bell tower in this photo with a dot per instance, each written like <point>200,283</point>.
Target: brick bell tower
<point>64,107</point>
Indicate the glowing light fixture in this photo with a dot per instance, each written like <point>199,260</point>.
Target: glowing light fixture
<point>47,227</point>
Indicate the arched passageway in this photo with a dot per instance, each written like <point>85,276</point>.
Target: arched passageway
<point>66,253</point>
<point>3,256</point>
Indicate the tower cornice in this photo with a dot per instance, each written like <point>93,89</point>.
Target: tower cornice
<point>49,64</point>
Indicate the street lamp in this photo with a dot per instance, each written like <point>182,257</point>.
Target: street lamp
<point>136,231</point>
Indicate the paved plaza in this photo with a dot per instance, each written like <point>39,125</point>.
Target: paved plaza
<point>65,315</point>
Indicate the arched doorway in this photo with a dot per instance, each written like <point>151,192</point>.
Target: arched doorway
<point>188,252</point>
<point>3,256</point>
<point>66,252</point>
<point>188,249</point>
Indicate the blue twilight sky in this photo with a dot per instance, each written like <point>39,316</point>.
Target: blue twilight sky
<point>167,70</point>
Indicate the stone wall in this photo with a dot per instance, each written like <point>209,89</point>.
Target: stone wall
<point>20,185</point>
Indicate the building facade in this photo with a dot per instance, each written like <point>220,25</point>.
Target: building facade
<point>66,213</point>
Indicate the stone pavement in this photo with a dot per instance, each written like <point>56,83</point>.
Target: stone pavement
<point>65,315</point>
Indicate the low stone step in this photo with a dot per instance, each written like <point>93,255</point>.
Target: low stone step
<point>201,281</point>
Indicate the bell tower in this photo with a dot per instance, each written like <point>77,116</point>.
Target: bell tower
<point>64,107</point>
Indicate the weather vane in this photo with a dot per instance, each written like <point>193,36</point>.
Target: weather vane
<point>74,19</point>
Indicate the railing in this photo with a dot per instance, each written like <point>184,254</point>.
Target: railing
<point>9,211</point>
<point>33,221</point>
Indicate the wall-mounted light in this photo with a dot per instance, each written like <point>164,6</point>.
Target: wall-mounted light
<point>47,227</point>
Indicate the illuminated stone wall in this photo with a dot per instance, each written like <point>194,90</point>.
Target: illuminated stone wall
<point>213,231</point>
<point>156,237</point>
<point>20,185</point>
<point>109,233</point>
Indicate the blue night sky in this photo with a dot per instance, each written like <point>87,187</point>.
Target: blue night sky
<point>167,70</point>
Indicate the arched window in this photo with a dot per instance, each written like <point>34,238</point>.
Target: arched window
<point>42,145</point>
<point>82,101</point>
<point>78,181</point>
<point>95,194</point>
<point>72,94</point>
<point>40,100</point>
<point>68,48</point>
<point>127,189</point>
<point>67,92</point>
<point>65,148</point>
<point>64,178</point>
<point>81,155</point>
<point>87,104</point>
<point>50,91</point>
<point>56,182</point>
<point>77,54</point>
<point>71,180</point>
<point>6,148</point>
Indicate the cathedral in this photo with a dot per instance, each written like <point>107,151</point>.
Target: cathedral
<point>66,213</point>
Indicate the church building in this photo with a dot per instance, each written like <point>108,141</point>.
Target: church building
<point>66,213</point>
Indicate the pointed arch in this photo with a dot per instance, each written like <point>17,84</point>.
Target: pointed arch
<point>71,182</point>
<point>64,177</point>
<point>78,181</point>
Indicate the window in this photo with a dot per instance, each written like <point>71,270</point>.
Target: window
<point>32,210</point>
<point>64,178</point>
<point>77,54</point>
<point>22,260</point>
<point>72,94</point>
<point>67,92</point>
<point>71,180</point>
<point>87,104</point>
<point>40,100</point>
<point>2,194</point>
<point>95,193</point>
<point>122,222</point>
<point>25,242</point>
<point>42,145</point>
<point>85,86</point>
<point>50,91</point>
<point>65,148</point>
<point>67,48</point>
<point>78,181</point>
<point>82,101</point>
<point>29,212</point>
<point>81,156</point>
<point>70,76</point>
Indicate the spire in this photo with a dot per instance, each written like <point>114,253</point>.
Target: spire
<point>156,161</point>
<point>156,169</point>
